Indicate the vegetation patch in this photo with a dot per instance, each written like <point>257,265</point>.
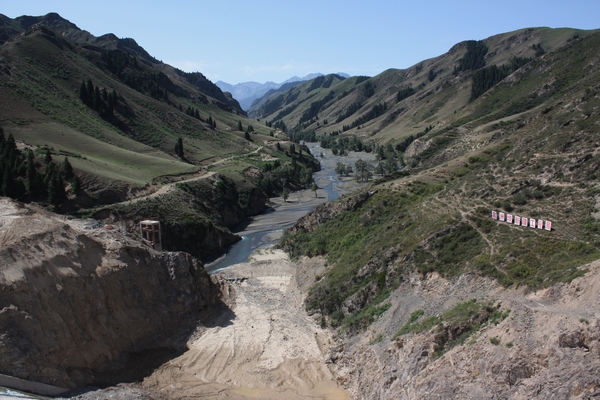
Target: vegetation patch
<point>456,324</point>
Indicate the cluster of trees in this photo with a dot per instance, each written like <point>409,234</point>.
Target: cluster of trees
<point>363,170</point>
<point>405,92</point>
<point>280,125</point>
<point>432,75</point>
<point>322,82</point>
<point>474,58</point>
<point>307,136</point>
<point>315,107</point>
<point>192,112</point>
<point>486,78</point>
<point>276,177</point>
<point>403,145</point>
<point>99,99</point>
<point>286,111</point>
<point>368,89</point>
<point>377,110</point>
<point>272,105</point>
<point>387,166</point>
<point>249,129</point>
<point>21,180</point>
<point>212,122</point>
<point>353,108</point>
<point>342,145</point>
<point>343,169</point>
<point>539,50</point>
<point>116,61</point>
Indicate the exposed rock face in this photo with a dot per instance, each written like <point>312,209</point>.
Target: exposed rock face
<point>547,348</point>
<point>74,302</point>
<point>327,211</point>
<point>416,147</point>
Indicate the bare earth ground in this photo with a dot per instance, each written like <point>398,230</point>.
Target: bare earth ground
<point>266,348</point>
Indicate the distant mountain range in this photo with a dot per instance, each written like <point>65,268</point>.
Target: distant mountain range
<point>247,92</point>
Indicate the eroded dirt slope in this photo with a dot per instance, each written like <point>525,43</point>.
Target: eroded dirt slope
<point>548,347</point>
<point>77,303</point>
<point>267,347</point>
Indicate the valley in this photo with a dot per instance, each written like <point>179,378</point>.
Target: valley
<point>334,241</point>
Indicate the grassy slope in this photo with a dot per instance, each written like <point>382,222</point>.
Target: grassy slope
<point>40,105</point>
<point>435,102</point>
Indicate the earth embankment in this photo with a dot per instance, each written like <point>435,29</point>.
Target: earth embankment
<point>77,304</point>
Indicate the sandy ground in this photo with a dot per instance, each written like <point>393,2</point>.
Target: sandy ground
<point>266,347</point>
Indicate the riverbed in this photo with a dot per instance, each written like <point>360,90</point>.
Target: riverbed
<point>267,228</point>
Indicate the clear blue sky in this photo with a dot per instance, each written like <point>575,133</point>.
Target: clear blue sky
<point>261,40</point>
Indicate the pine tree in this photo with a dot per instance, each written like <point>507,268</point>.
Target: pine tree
<point>90,90</point>
<point>83,94</point>
<point>239,126</point>
<point>75,185</point>
<point>67,169</point>
<point>31,175</point>
<point>56,191</point>
<point>47,157</point>
<point>179,148</point>
<point>97,100</point>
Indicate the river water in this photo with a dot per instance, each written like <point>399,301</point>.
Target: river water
<point>267,228</point>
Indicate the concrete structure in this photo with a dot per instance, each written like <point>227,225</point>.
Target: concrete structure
<point>28,386</point>
<point>150,231</point>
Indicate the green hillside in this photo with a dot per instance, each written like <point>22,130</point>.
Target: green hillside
<point>88,123</point>
<point>428,94</point>
<point>527,146</point>
<point>44,62</point>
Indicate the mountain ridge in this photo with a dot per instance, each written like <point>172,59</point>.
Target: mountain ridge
<point>248,92</point>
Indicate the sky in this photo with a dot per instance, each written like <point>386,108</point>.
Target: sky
<point>266,40</point>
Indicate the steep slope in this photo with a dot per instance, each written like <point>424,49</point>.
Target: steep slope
<point>43,64</point>
<point>395,104</point>
<point>128,124</point>
<point>401,255</point>
<point>82,304</point>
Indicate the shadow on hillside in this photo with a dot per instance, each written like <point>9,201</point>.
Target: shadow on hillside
<point>137,365</point>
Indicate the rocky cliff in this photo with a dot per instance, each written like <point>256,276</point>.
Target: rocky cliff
<point>77,304</point>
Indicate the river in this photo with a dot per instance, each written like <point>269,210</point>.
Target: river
<point>267,228</point>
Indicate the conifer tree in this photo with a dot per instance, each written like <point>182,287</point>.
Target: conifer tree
<point>239,126</point>
<point>47,157</point>
<point>67,169</point>
<point>76,185</point>
<point>31,176</point>
<point>90,90</point>
<point>56,191</point>
<point>179,148</point>
<point>83,94</point>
